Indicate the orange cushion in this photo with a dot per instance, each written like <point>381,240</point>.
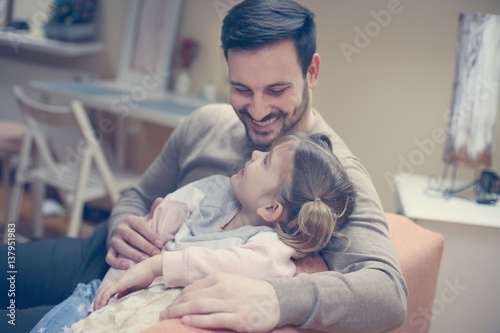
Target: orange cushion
<point>419,251</point>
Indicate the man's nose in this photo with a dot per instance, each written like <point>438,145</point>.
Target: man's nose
<point>259,108</point>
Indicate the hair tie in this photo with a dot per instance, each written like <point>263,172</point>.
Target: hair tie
<point>317,199</point>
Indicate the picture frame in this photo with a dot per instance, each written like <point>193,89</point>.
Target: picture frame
<point>149,42</point>
<point>476,92</point>
<point>5,13</point>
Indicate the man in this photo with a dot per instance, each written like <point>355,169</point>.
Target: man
<point>273,67</point>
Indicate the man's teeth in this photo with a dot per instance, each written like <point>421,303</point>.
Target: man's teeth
<point>265,123</point>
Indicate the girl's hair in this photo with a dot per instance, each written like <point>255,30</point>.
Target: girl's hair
<point>317,195</point>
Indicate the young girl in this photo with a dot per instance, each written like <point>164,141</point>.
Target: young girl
<point>284,204</point>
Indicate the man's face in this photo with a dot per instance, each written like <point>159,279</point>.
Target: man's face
<point>268,91</point>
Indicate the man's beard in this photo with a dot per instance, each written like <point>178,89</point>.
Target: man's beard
<point>285,128</point>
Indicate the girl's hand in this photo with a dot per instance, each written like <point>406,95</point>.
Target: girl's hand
<point>138,277</point>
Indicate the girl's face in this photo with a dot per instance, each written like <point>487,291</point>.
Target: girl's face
<point>257,183</point>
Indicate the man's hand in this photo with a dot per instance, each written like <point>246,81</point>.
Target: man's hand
<point>134,239</point>
<point>227,301</point>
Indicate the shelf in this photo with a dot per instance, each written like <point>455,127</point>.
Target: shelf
<point>20,41</point>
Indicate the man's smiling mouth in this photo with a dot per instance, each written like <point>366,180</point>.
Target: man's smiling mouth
<point>265,123</point>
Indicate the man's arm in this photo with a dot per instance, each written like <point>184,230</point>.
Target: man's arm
<point>129,234</point>
<point>197,148</point>
<point>363,291</point>
<point>187,156</point>
<point>134,240</point>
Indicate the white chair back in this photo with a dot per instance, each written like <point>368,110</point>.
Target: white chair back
<point>88,178</point>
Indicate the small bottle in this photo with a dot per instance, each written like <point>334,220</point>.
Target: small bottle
<point>210,91</point>
<point>183,84</point>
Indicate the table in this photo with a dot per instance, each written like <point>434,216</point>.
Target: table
<point>131,101</point>
<point>125,100</point>
<point>467,296</point>
<point>415,202</point>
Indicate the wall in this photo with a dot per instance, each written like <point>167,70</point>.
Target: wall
<point>389,99</point>
<point>385,101</point>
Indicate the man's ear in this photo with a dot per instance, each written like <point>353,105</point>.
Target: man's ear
<point>313,71</point>
<point>271,212</point>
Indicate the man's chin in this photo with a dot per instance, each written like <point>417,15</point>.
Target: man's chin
<point>260,141</point>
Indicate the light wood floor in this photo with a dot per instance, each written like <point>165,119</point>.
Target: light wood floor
<point>55,226</point>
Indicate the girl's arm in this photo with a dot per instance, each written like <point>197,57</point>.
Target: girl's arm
<point>138,277</point>
<point>259,259</point>
<point>165,219</point>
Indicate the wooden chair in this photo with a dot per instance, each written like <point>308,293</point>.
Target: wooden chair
<point>87,179</point>
<point>11,136</point>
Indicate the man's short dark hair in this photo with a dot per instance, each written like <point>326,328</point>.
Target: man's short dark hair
<point>255,23</point>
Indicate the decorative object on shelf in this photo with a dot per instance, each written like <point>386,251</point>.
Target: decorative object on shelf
<point>487,187</point>
<point>210,91</point>
<point>474,105</point>
<point>183,83</point>
<point>187,52</point>
<point>72,20</point>
<point>148,46</point>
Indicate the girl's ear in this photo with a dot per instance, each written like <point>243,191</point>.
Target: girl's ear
<point>271,212</point>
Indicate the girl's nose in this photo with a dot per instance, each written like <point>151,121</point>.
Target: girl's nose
<point>255,154</point>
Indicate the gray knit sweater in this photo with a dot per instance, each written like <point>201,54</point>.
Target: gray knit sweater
<point>364,291</point>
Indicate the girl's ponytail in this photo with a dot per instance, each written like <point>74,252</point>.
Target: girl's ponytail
<point>317,197</point>
<point>313,227</point>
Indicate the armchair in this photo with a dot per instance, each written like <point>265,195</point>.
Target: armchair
<point>419,251</point>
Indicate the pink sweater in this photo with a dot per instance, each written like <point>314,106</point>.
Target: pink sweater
<point>262,256</point>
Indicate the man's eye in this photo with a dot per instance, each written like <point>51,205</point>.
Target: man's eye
<point>243,91</point>
<point>277,91</point>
